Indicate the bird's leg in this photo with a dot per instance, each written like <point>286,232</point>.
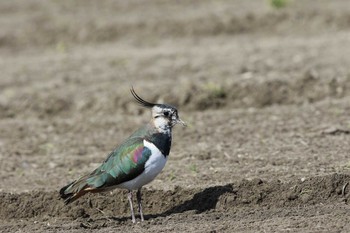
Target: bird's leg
<point>138,195</point>
<point>131,206</point>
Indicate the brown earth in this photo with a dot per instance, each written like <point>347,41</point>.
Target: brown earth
<point>265,91</point>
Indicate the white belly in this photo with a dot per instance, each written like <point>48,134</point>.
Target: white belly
<point>153,167</point>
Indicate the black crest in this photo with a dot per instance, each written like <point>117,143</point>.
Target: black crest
<point>141,101</point>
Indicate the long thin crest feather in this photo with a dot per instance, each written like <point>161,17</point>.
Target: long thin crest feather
<point>141,101</point>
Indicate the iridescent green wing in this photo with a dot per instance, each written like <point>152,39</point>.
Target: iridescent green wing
<point>123,164</point>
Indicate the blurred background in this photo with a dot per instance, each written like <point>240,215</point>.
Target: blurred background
<point>63,56</point>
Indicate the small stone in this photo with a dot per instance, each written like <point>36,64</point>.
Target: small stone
<point>292,196</point>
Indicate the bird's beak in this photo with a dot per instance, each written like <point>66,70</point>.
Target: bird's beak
<point>179,121</point>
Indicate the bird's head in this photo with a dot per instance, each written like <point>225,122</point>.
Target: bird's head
<point>164,116</point>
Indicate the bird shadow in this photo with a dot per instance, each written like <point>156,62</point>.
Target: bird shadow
<point>202,201</point>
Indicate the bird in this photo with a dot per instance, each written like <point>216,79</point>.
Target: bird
<point>135,162</point>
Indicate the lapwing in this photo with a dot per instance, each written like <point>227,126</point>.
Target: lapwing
<point>135,162</point>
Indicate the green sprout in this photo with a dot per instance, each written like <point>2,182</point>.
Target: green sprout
<point>278,3</point>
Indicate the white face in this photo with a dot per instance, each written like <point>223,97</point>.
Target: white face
<point>165,117</point>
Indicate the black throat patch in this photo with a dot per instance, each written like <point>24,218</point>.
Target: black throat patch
<point>162,141</point>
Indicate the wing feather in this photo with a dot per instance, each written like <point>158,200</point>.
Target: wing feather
<point>123,164</point>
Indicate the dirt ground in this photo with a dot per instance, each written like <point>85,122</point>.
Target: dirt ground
<point>265,91</point>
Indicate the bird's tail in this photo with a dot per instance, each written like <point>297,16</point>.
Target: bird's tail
<point>74,190</point>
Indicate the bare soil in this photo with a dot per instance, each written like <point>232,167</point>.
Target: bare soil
<point>265,91</point>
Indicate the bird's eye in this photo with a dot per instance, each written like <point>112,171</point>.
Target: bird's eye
<point>166,113</point>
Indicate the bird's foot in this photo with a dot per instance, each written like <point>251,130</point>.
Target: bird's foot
<point>131,207</point>
<point>139,203</point>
